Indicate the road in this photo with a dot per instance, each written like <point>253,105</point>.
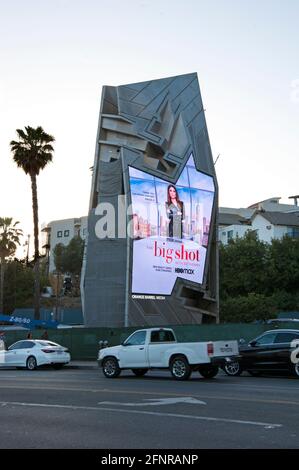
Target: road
<point>80,408</point>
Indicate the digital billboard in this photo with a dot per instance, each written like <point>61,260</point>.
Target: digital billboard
<point>170,228</point>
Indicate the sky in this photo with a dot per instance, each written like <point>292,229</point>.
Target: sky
<point>56,55</point>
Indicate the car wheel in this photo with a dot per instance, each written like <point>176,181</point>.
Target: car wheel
<point>209,372</point>
<point>111,368</point>
<point>180,368</point>
<point>296,370</point>
<point>139,372</point>
<point>233,369</point>
<point>31,363</point>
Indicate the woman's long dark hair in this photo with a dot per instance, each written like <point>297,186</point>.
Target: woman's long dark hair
<point>177,196</point>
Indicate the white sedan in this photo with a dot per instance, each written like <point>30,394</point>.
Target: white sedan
<point>32,353</point>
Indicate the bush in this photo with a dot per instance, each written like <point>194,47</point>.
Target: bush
<point>247,308</point>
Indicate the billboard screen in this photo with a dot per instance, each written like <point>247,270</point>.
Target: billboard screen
<point>170,228</point>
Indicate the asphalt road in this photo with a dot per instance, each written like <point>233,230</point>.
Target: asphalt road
<point>79,408</point>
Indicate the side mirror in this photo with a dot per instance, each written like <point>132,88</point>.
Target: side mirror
<point>252,343</point>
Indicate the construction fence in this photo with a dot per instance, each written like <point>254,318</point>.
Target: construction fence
<point>83,342</point>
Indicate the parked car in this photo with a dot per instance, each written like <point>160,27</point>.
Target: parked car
<point>157,348</point>
<point>33,353</point>
<point>270,352</point>
<point>274,321</point>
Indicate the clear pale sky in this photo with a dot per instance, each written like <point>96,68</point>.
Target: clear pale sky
<point>56,55</point>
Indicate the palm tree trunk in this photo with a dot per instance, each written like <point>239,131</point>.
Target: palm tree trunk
<point>2,268</point>
<point>36,248</point>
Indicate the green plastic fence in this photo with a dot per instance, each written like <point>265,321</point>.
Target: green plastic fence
<point>83,342</point>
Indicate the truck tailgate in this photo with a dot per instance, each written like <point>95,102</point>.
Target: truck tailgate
<point>225,348</point>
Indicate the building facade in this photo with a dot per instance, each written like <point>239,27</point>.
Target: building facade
<point>269,219</point>
<point>158,262</point>
<point>61,231</point>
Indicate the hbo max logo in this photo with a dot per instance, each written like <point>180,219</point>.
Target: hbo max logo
<point>184,271</point>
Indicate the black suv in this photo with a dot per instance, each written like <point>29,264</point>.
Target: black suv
<point>272,352</point>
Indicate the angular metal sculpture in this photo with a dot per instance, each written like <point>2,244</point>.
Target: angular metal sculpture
<point>152,130</point>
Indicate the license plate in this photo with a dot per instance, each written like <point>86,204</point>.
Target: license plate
<point>59,352</point>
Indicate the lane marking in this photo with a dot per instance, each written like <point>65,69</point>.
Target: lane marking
<point>158,402</point>
<point>135,392</point>
<point>149,413</point>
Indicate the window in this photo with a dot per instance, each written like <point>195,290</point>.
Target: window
<point>47,343</point>
<point>66,233</point>
<point>21,345</point>
<point>161,336</point>
<point>59,234</point>
<point>28,345</point>
<point>230,234</point>
<point>136,339</point>
<point>268,338</point>
<point>293,232</point>
<point>286,337</point>
<point>17,345</point>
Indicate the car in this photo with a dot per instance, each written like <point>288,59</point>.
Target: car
<point>32,353</point>
<point>273,351</point>
<point>158,348</point>
<point>282,320</point>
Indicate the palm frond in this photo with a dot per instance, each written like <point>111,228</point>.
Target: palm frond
<point>33,151</point>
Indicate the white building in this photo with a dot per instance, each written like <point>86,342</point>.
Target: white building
<point>269,225</point>
<point>269,219</point>
<point>61,231</point>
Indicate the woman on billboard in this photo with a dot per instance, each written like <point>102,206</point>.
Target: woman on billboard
<point>175,212</point>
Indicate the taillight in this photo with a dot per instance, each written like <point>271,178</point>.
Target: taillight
<point>49,350</point>
<point>210,349</point>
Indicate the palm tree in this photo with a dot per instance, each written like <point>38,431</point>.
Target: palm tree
<point>32,153</point>
<point>9,240</point>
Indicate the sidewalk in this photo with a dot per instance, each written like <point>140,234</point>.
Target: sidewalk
<point>89,365</point>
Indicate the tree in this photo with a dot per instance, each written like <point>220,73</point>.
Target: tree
<point>258,280</point>
<point>243,266</point>
<point>9,240</point>
<point>68,259</point>
<point>284,264</point>
<point>59,255</point>
<point>74,256</point>
<point>19,286</point>
<point>32,152</point>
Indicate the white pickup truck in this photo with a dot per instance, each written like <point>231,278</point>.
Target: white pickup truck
<point>157,348</point>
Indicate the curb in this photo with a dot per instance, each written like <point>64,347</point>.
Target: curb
<point>81,366</point>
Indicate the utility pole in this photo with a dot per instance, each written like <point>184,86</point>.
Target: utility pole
<point>57,295</point>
